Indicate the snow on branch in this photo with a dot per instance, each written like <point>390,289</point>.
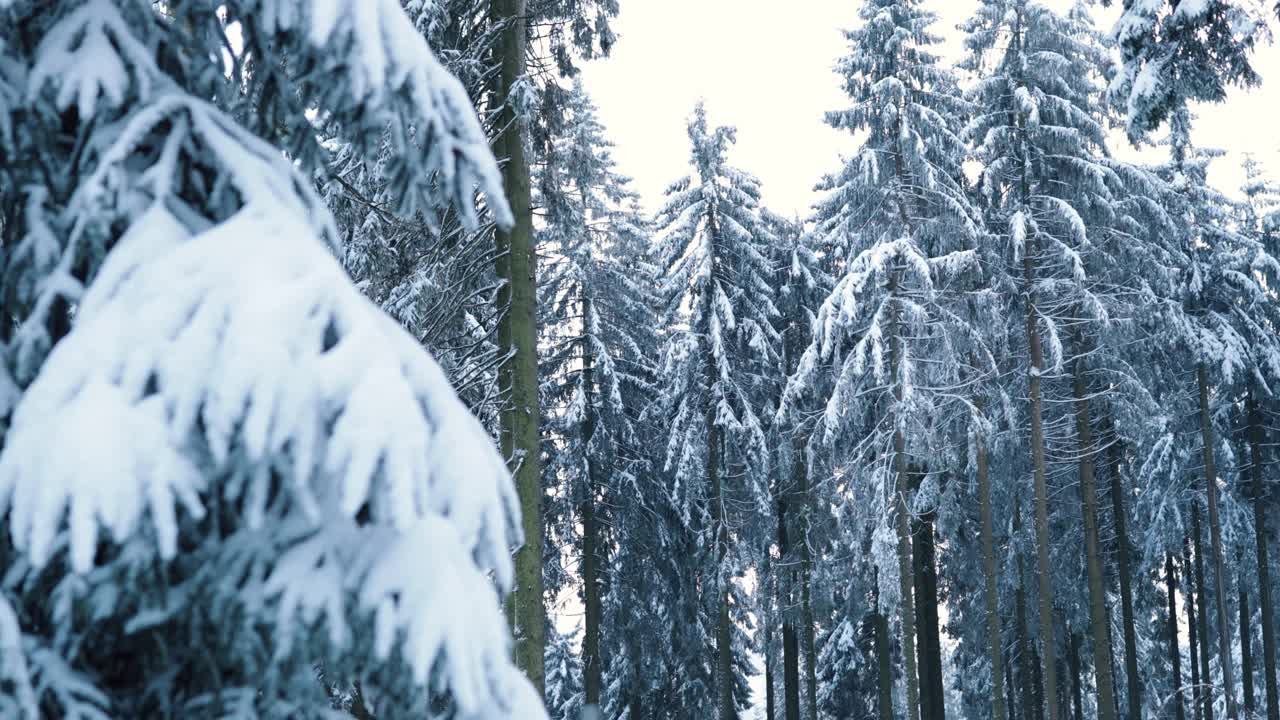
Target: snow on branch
<point>388,74</point>
<point>187,364</point>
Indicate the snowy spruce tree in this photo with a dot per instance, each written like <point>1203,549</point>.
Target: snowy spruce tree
<point>268,475</point>
<point>898,217</point>
<point>1182,50</point>
<point>716,297</point>
<point>598,331</point>
<point>800,283</point>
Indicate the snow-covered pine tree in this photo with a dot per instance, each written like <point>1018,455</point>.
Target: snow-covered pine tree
<point>800,283</point>
<point>563,677</point>
<point>262,461</point>
<point>1260,222</point>
<point>718,319</point>
<point>598,352</point>
<point>1175,51</point>
<point>900,217</point>
<point>1054,195</point>
<point>433,275</point>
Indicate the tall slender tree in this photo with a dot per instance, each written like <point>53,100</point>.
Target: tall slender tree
<point>718,305</point>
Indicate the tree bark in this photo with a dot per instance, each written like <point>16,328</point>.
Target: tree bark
<point>1047,643</point>
<point>1092,548</point>
<point>903,521</point>
<point>990,591</point>
<point>1125,575</point>
<point>591,660</point>
<point>790,643</point>
<point>1246,652</point>
<point>929,645</point>
<point>1264,563</point>
<point>1175,655</point>
<point>724,632</point>
<point>1193,631</point>
<point>1030,698</point>
<point>518,338</point>
<point>884,677</point>
<point>1010,700</point>
<point>1073,659</point>
<point>1215,540</point>
<point>810,642</point>
<point>768,670</point>
<point>1205,690</point>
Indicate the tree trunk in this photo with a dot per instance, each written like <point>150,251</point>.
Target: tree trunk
<point>1073,660</point>
<point>1010,700</point>
<point>1246,652</point>
<point>1047,643</point>
<point>1092,551</point>
<point>768,670</point>
<point>1125,575</point>
<point>929,645</point>
<point>591,660</point>
<point>991,592</point>
<point>800,472</point>
<point>1264,564</point>
<point>1030,699</point>
<point>724,632</point>
<point>786,597</point>
<point>1204,691</point>
<point>884,677</point>
<point>1175,655</point>
<point>518,337</point>
<point>1215,540</point>
<point>903,521</point>
<point>1192,630</point>
<point>810,643</point>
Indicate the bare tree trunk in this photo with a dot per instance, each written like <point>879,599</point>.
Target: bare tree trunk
<point>1073,660</point>
<point>1030,699</point>
<point>1193,631</point>
<point>1215,540</point>
<point>518,338</point>
<point>1125,575</point>
<point>884,677</point>
<point>810,644</point>
<point>1010,700</point>
<point>1175,655</point>
<point>1246,652</point>
<point>1264,563</point>
<point>790,643</point>
<point>1205,691</point>
<point>991,593</point>
<point>1092,548</point>
<point>903,521</point>
<point>928,641</point>
<point>768,670</point>
<point>591,660</point>
<point>1047,642</point>
<point>724,631</point>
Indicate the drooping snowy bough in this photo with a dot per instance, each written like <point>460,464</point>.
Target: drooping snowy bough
<point>225,471</point>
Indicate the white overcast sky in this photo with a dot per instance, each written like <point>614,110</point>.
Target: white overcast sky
<point>765,67</point>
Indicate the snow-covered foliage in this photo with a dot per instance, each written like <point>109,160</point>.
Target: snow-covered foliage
<point>1173,52</point>
<point>265,474</point>
<point>718,306</point>
<point>719,343</point>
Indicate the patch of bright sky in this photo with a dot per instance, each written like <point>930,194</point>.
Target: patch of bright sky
<point>765,67</point>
